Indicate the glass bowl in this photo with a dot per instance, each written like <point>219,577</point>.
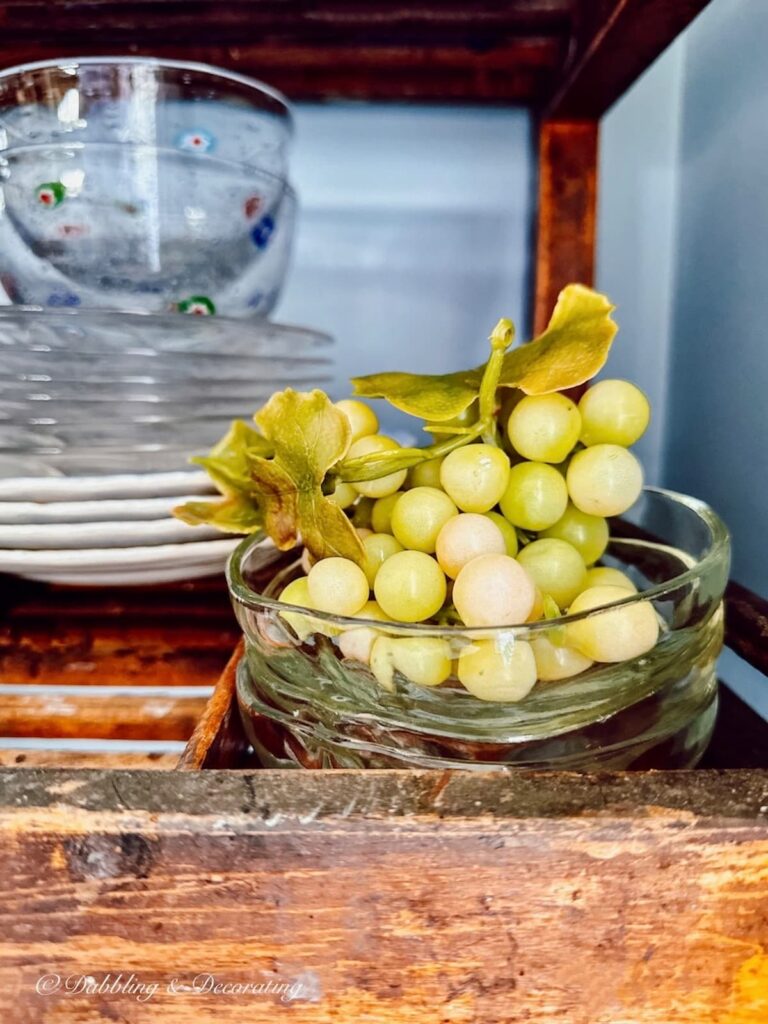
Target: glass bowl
<point>141,227</point>
<point>193,107</point>
<point>304,703</point>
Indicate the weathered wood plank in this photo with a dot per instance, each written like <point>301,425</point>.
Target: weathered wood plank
<point>565,239</point>
<point>104,760</point>
<point>388,896</point>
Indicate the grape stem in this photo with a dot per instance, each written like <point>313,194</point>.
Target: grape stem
<point>379,464</point>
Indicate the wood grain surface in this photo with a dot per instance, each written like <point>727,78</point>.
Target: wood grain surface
<point>386,897</point>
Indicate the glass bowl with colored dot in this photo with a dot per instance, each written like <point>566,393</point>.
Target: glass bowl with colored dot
<point>139,227</point>
<point>625,680</point>
<point>195,108</point>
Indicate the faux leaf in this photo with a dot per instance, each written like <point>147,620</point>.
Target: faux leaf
<point>309,436</point>
<point>228,463</point>
<point>572,350</point>
<point>234,514</point>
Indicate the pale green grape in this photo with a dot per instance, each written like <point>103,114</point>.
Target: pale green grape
<point>465,537</point>
<point>426,474</point>
<point>508,532</point>
<point>384,485</point>
<point>556,567</point>
<point>555,662</point>
<point>344,495</point>
<point>613,635</point>
<point>613,412</point>
<point>297,592</point>
<point>356,643</point>
<point>544,428</point>
<point>503,669</point>
<point>425,660</point>
<point>588,534</point>
<point>381,513</point>
<point>536,496</point>
<point>378,548</point>
<point>410,586</point>
<point>604,480</point>
<point>493,590</point>
<point>419,516</point>
<point>604,576</point>
<point>362,419</point>
<point>475,476</point>
<point>337,586</point>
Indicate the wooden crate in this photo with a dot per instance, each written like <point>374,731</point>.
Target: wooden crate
<point>629,898</point>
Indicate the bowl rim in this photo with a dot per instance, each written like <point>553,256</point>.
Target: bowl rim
<point>62,63</point>
<point>241,593</point>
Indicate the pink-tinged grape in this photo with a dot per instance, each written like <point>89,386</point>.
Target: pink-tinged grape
<point>613,412</point>
<point>604,480</point>
<point>337,586</point>
<point>410,586</point>
<point>588,534</point>
<point>475,476</point>
<point>362,419</point>
<point>465,537</point>
<point>555,662</point>
<point>536,496</point>
<point>604,576</point>
<point>502,669</point>
<point>508,532</point>
<point>613,635</point>
<point>556,567</point>
<point>426,474</point>
<point>493,590</point>
<point>382,486</point>
<point>381,513</point>
<point>544,428</point>
<point>344,495</point>
<point>356,643</point>
<point>419,516</point>
<point>378,548</point>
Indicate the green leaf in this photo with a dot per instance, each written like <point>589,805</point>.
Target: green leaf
<point>435,397</point>
<point>309,436</point>
<point>233,514</point>
<point>572,350</point>
<point>228,463</point>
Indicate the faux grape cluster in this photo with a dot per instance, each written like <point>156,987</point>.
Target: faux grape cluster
<point>491,535</point>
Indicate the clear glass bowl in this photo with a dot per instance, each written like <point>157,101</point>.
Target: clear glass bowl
<point>304,703</point>
<point>124,226</point>
<point>140,100</point>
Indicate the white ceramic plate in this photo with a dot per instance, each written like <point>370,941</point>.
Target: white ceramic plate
<point>124,566</point>
<point>104,535</point>
<point>30,513</point>
<point>90,488</point>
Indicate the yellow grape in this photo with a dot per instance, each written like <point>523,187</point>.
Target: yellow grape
<point>588,534</point>
<point>297,592</point>
<point>536,496</point>
<point>344,495</point>
<point>381,487</point>
<point>508,532</point>
<point>493,590</point>
<point>378,548</point>
<point>410,586</point>
<point>337,586</point>
<point>503,669</point>
<point>362,419</point>
<point>554,662</point>
<point>544,428</point>
<point>613,412</point>
<point>613,635</point>
<point>356,643</point>
<point>426,474</point>
<point>556,567</point>
<point>475,476</point>
<point>419,516</point>
<point>425,661</point>
<point>604,576</point>
<point>604,480</point>
<point>465,537</point>
<point>381,513</point>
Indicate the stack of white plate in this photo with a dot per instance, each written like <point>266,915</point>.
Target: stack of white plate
<point>107,530</point>
<point>99,415</point>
